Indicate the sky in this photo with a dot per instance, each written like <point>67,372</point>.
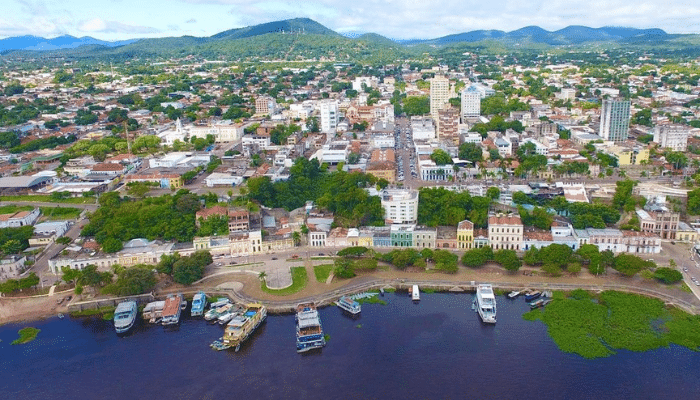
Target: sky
<point>402,19</point>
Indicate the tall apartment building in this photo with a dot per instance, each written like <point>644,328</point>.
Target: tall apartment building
<point>448,123</point>
<point>471,103</point>
<point>400,206</point>
<point>615,120</point>
<point>439,95</point>
<point>265,105</point>
<point>329,116</point>
<point>674,137</point>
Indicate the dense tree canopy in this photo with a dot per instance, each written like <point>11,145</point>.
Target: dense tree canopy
<point>439,206</point>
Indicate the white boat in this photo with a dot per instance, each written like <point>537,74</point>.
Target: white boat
<point>415,293</point>
<point>199,301</point>
<point>125,316</point>
<point>486,303</point>
<point>153,311</point>
<point>219,302</point>
<point>215,313</point>
<point>227,316</point>
<point>513,294</point>
<point>347,304</point>
<point>309,330</point>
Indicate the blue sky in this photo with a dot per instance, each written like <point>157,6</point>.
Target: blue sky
<point>126,19</point>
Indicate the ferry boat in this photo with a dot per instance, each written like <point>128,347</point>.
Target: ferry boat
<point>532,295</point>
<point>309,329</point>
<point>172,309</point>
<point>125,316</point>
<point>486,303</point>
<point>415,293</point>
<point>199,301</point>
<point>243,325</point>
<point>153,312</point>
<point>347,304</point>
<point>215,313</point>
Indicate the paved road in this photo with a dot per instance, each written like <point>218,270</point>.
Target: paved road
<point>89,207</point>
<point>41,266</point>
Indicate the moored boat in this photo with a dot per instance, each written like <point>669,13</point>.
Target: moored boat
<point>415,293</point>
<point>125,316</point>
<point>486,303</point>
<point>243,325</point>
<point>172,309</point>
<point>309,331</point>
<point>532,295</point>
<point>537,303</point>
<point>199,302</point>
<point>513,294</point>
<point>347,304</point>
<point>215,313</point>
<point>153,311</point>
<point>228,315</point>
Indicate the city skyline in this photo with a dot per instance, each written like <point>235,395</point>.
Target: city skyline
<point>128,19</point>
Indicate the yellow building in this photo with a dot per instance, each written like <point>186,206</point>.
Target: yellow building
<point>465,235</point>
<point>630,156</point>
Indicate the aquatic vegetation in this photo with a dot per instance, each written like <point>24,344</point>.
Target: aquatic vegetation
<point>596,326</point>
<point>26,335</point>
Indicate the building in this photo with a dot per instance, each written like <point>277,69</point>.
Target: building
<point>238,220</point>
<point>206,213</point>
<point>615,120</point>
<point>400,206</point>
<point>11,267</point>
<point>448,122</point>
<point>20,218</point>
<point>382,164</point>
<point>674,137</point>
<point>265,105</point>
<point>330,116</point>
<point>422,128</point>
<point>661,222</point>
<point>424,237</point>
<point>471,103</point>
<point>465,234</point>
<point>505,232</point>
<point>402,235</point>
<point>439,95</point>
<point>47,232</point>
<point>164,179</point>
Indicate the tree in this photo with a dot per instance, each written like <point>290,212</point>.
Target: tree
<point>508,259</point>
<point>165,265</point>
<point>356,251</point>
<point>493,193</point>
<point>440,157</point>
<point>629,265</point>
<point>445,261</point>
<point>12,246</point>
<point>186,272</point>
<point>343,268</point>
<point>470,152</point>
<point>477,257</point>
<point>135,280</point>
<point>668,275</point>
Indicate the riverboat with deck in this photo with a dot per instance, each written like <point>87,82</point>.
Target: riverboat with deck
<point>172,309</point>
<point>349,305</point>
<point>243,325</point>
<point>532,295</point>
<point>309,330</point>
<point>199,302</point>
<point>486,303</point>
<point>153,311</point>
<point>125,316</point>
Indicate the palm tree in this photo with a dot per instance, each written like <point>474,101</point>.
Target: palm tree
<point>296,236</point>
<point>262,275</point>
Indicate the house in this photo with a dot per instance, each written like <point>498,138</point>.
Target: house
<point>505,232</point>
<point>19,219</point>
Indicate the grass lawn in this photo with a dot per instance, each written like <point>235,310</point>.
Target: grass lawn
<point>48,199</point>
<point>322,272</point>
<point>11,209</point>
<point>104,311</point>
<point>59,213</point>
<point>26,335</point>
<point>299,281</point>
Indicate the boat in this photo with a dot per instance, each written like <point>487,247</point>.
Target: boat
<point>349,305</point>
<point>125,316</point>
<point>172,309</point>
<point>513,294</point>
<point>537,303</point>
<point>415,293</point>
<point>215,313</point>
<point>243,325</point>
<point>60,315</point>
<point>219,302</point>
<point>309,329</point>
<point>381,290</point>
<point>228,315</point>
<point>486,303</point>
<point>153,311</point>
<point>199,302</point>
<point>532,295</point>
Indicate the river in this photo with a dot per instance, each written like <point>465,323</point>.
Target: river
<point>436,349</point>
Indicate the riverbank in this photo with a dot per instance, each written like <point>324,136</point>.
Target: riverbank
<point>246,287</point>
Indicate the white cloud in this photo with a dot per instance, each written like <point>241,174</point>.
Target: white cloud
<point>102,26</point>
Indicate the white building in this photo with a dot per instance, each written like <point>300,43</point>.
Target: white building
<point>383,141</point>
<point>330,115</point>
<point>334,152</point>
<point>368,81</point>
<point>505,232</point>
<point>471,103</point>
<point>18,219</point>
<point>422,128</point>
<point>222,179</point>
<point>179,159</point>
<point>400,206</point>
<point>615,120</point>
<point>483,90</point>
<point>11,267</point>
<point>674,137</point>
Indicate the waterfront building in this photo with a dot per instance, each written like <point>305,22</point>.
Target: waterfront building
<point>465,234</point>
<point>505,232</point>
<point>614,120</point>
